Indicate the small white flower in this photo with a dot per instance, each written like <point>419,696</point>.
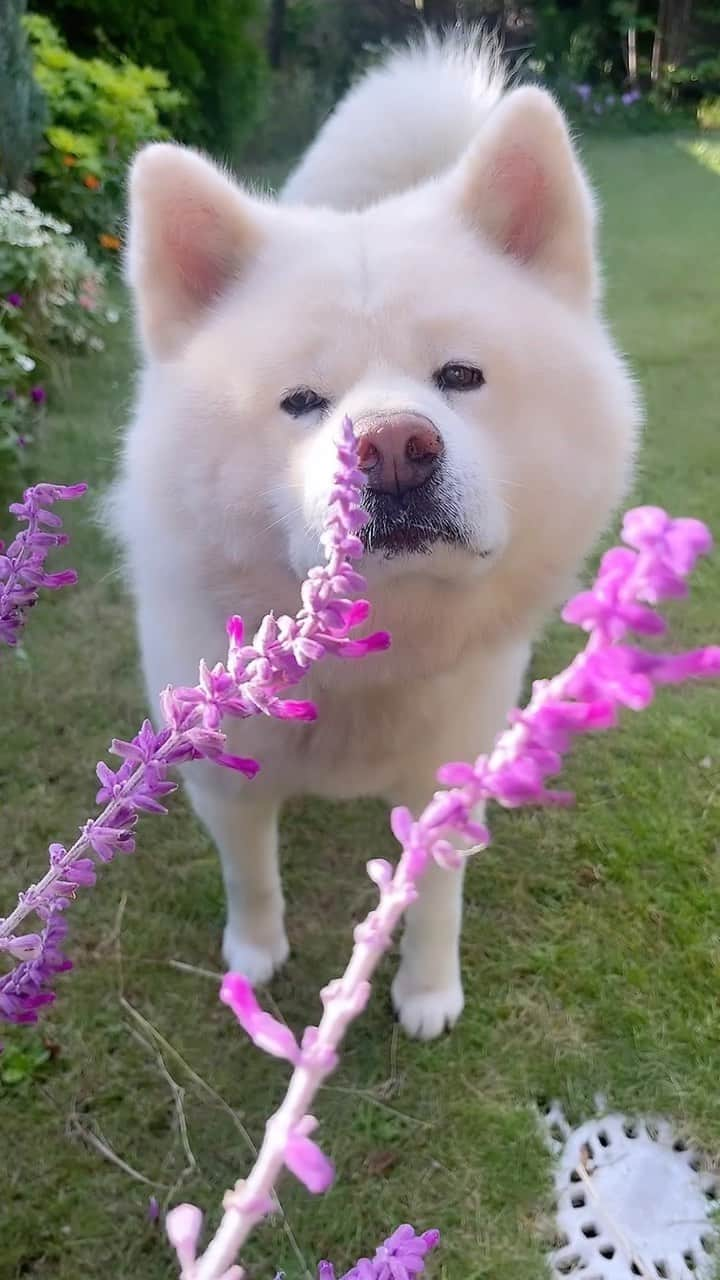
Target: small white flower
<point>96,344</point>
<point>112,316</point>
<point>26,362</point>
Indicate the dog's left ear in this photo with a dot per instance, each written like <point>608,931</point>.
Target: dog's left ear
<point>522,186</point>
<point>192,231</point>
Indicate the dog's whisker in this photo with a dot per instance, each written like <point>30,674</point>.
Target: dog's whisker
<point>283,519</point>
<point>292,486</point>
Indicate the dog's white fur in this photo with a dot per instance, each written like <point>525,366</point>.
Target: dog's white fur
<point>436,218</point>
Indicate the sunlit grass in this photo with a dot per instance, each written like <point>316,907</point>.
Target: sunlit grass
<point>706,153</point>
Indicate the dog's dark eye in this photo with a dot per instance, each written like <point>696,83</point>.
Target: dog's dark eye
<point>459,377</point>
<point>301,401</point>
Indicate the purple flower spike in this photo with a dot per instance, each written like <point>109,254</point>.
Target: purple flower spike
<point>22,564</point>
<point>400,1257</point>
<point>15,300</point>
<point>264,1030</point>
<point>254,681</point>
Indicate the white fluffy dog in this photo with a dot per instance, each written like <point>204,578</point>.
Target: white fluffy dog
<point>429,270</point>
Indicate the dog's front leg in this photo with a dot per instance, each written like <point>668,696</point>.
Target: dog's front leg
<point>243,822</point>
<point>427,991</point>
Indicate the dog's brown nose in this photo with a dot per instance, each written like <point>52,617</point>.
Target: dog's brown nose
<point>398,452</point>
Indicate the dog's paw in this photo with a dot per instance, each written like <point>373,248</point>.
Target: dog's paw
<point>256,963</point>
<point>425,1013</point>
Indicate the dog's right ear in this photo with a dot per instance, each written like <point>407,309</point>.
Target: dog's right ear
<point>191,231</point>
<point>523,188</point>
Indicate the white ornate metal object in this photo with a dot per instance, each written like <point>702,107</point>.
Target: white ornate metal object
<point>633,1199</point>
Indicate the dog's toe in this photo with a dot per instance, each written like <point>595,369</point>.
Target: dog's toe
<point>424,1015</point>
<point>256,963</point>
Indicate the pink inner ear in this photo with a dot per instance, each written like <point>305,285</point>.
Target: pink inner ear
<point>193,240</point>
<point>521,186</point>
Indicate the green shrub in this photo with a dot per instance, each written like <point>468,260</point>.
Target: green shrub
<point>709,113</point>
<point>693,83</point>
<point>99,113</point>
<point>211,50</point>
<point>604,107</point>
<point>52,303</point>
<point>22,106</point>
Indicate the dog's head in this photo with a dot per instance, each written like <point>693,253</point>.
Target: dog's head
<point>455,324</point>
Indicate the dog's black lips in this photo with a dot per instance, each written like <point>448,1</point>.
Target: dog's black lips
<point>411,523</point>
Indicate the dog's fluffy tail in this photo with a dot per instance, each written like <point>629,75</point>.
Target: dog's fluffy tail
<point>407,120</point>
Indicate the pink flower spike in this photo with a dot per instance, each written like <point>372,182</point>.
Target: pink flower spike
<point>447,856</point>
<point>378,642</point>
<point>241,765</point>
<point>359,997</point>
<point>317,1055</point>
<point>676,543</point>
<point>687,540</point>
<point>643,526</point>
<point>259,1205</point>
<point>287,709</point>
<point>357,613</point>
<point>380,872</point>
<point>401,823</point>
<point>235,629</point>
<point>310,1165</point>
<point>456,774</point>
<point>183,1225</point>
<point>446,809</point>
<point>673,668</point>
<point>265,1031</point>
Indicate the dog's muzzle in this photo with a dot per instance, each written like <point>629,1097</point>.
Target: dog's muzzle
<point>402,455</point>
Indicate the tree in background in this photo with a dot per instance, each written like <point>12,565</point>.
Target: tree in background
<point>211,50</point>
<point>258,77</point>
<point>672,31</point>
<point>22,105</point>
<point>276,32</point>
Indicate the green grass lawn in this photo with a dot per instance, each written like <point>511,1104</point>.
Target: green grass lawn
<point>592,939</point>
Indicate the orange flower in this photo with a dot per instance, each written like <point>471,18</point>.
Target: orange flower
<point>70,161</point>
<point>110,242</point>
<point>91,181</point>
